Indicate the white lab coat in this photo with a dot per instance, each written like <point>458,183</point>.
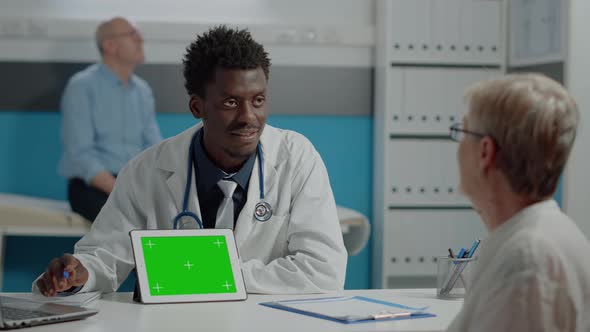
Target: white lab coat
<point>533,274</point>
<point>299,250</point>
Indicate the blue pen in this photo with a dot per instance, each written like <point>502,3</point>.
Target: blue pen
<point>461,252</point>
<point>473,248</point>
<point>460,255</point>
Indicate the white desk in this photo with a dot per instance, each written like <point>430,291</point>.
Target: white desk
<point>118,313</point>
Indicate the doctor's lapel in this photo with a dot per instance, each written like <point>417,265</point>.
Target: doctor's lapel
<point>175,161</point>
<point>246,220</point>
<point>177,185</point>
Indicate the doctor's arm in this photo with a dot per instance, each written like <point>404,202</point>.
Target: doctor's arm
<point>103,258</point>
<point>105,251</point>
<point>316,257</point>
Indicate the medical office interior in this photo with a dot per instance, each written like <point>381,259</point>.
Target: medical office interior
<point>373,84</point>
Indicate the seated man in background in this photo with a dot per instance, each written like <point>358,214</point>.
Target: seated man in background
<point>533,272</point>
<point>221,165</point>
<point>108,117</point>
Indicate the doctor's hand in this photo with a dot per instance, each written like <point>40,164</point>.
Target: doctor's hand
<point>62,274</point>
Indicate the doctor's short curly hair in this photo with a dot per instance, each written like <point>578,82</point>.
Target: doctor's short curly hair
<point>221,47</point>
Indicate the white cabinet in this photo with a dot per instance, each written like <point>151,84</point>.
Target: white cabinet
<point>422,173</point>
<point>427,100</point>
<point>443,31</point>
<point>428,52</point>
<point>537,33</point>
<point>428,233</point>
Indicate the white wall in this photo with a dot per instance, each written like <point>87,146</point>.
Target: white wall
<point>577,180</point>
<point>303,32</point>
<point>351,12</point>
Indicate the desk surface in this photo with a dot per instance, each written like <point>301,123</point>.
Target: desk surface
<point>119,313</point>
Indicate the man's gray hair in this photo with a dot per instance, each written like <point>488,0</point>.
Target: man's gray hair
<point>103,32</point>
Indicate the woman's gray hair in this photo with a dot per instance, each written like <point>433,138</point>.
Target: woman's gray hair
<point>533,119</point>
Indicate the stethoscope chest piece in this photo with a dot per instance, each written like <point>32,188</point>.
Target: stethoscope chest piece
<point>187,223</point>
<point>262,211</point>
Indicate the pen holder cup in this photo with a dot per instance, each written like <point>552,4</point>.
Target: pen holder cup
<point>452,276</point>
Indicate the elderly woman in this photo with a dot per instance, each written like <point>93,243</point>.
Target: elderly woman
<point>533,272</point>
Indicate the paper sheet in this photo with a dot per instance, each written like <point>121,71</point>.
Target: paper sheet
<point>349,308</point>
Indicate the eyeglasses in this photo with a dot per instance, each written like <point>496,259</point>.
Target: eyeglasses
<point>458,133</point>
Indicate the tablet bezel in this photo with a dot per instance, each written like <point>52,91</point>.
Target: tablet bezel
<point>146,297</point>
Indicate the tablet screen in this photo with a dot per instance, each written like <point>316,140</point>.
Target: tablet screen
<point>187,265</point>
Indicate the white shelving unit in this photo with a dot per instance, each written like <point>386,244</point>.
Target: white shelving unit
<point>427,53</point>
<point>537,32</point>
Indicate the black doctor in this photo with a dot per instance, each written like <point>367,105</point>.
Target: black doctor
<point>297,250</point>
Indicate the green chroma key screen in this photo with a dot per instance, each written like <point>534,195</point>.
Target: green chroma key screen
<point>186,265</point>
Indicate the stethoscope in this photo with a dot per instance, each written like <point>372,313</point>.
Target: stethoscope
<point>262,210</point>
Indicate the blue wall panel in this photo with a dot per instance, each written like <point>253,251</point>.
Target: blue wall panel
<point>30,149</point>
<point>29,152</point>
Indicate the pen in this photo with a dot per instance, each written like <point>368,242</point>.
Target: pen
<point>460,254</point>
<point>461,267</point>
<point>452,255</point>
<point>450,276</point>
<point>473,248</point>
<point>391,315</point>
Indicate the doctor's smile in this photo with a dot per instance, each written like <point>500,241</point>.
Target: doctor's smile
<point>246,135</point>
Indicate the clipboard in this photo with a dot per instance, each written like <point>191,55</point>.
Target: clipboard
<point>350,309</point>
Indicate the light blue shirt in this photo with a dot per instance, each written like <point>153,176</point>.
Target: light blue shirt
<point>104,123</point>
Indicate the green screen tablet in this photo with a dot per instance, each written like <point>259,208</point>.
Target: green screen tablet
<point>187,265</point>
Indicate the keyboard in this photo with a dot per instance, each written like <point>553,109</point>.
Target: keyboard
<point>10,313</point>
